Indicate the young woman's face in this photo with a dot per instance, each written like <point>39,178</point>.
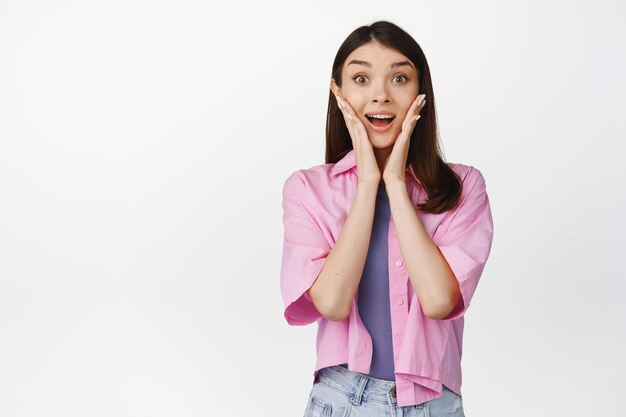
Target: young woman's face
<point>376,78</point>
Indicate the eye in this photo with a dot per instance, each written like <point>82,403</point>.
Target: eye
<point>402,76</point>
<point>357,77</point>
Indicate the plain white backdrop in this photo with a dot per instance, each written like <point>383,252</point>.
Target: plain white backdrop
<point>143,150</point>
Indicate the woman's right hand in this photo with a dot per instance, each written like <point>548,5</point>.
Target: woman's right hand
<point>367,167</point>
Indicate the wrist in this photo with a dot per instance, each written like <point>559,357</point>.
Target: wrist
<point>368,187</point>
<point>394,186</point>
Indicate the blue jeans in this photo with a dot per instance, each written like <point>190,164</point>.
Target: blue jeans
<point>339,392</point>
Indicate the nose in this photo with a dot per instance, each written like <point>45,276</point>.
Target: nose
<point>380,95</point>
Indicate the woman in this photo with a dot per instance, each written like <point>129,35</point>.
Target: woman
<point>384,244</point>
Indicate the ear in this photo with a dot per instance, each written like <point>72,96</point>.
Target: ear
<point>334,88</point>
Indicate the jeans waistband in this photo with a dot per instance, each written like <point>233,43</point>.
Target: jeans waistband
<point>358,385</point>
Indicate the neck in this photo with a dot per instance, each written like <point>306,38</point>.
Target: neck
<point>381,156</point>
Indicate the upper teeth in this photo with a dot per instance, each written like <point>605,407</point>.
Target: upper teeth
<point>381,116</point>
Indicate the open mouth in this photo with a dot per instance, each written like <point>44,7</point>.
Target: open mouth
<point>380,124</point>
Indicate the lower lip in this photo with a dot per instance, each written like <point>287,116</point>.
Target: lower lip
<point>380,129</point>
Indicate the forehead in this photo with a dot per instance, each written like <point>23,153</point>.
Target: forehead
<point>378,56</point>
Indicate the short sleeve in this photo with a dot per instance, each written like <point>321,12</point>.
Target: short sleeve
<point>305,249</point>
<point>466,242</point>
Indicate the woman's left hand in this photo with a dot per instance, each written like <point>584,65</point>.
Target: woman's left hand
<point>395,164</point>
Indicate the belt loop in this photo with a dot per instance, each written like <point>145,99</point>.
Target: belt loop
<point>358,395</point>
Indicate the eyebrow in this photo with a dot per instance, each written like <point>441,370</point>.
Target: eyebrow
<point>394,65</point>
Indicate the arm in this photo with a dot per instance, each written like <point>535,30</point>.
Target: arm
<point>433,281</point>
<point>333,290</point>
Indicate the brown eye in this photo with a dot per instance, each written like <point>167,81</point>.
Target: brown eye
<point>402,76</point>
<point>356,77</point>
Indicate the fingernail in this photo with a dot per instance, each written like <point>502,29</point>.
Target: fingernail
<point>349,117</point>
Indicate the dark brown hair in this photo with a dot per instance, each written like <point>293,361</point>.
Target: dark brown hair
<point>443,186</point>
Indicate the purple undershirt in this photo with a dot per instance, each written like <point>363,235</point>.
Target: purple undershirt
<point>373,300</point>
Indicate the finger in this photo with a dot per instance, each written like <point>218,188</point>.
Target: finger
<point>343,109</point>
<point>348,108</point>
<point>419,102</point>
<point>422,102</point>
<point>416,102</point>
<point>411,112</point>
<point>349,123</point>
<point>413,122</point>
<point>358,134</point>
<point>357,124</point>
<point>362,130</point>
<point>409,125</point>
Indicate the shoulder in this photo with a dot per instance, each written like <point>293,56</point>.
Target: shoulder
<point>473,182</point>
<point>469,174</point>
<point>306,180</point>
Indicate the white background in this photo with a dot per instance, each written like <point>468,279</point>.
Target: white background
<point>143,150</point>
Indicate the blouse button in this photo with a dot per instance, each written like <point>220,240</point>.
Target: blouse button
<point>399,263</point>
<point>400,301</point>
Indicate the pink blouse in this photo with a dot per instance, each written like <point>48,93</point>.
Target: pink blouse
<point>427,352</point>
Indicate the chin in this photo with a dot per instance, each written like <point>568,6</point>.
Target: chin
<point>382,140</point>
<point>382,145</point>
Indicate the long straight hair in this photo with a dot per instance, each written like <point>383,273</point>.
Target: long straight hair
<point>442,185</point>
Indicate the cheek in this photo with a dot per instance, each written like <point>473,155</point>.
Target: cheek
<point>354,99</point>
<point>354,102</point>
<point>405,112</point>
